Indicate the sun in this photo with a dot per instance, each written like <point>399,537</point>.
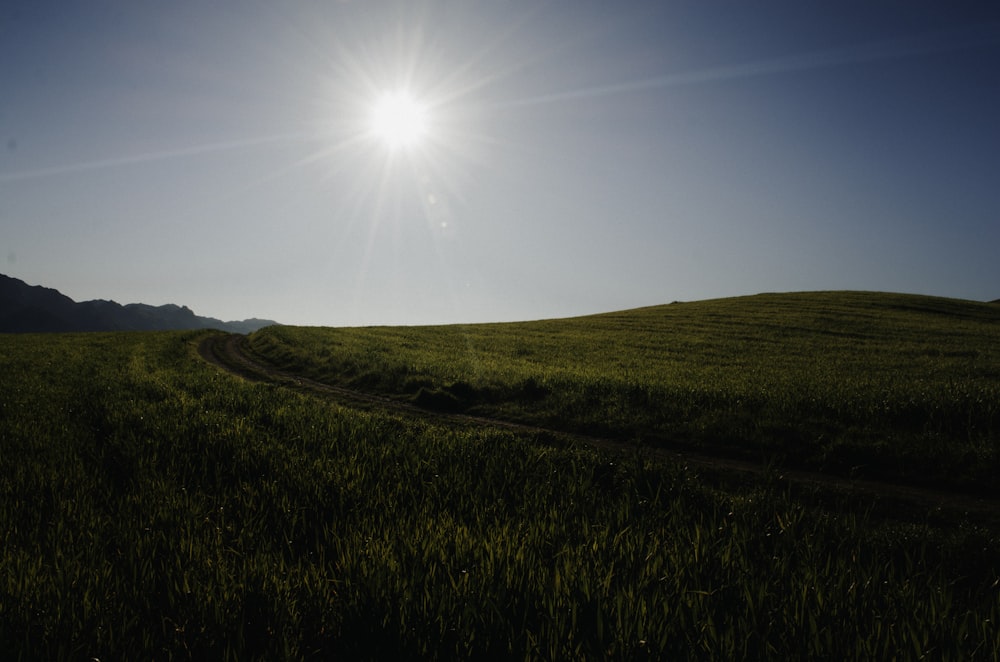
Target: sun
<point>399,120</point>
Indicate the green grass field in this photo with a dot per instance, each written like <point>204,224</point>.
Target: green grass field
<point>154,507</point>
<point>862,384</point>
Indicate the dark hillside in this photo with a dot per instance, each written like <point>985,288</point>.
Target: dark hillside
<point>32,309</point>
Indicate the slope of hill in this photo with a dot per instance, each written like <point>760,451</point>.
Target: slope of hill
<point>864,384</point>
<point>31,308</point>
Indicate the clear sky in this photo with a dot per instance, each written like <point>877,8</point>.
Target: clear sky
<point>576,156</point>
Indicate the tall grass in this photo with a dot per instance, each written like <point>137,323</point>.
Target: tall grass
<point>872,385</point>
<point>152,507</point>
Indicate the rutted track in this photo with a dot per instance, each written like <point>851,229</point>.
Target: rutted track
<point>232,353</point>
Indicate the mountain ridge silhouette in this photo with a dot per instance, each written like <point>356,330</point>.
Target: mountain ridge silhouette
<point>28,308</point>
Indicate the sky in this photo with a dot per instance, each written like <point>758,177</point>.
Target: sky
<point>576,156</point>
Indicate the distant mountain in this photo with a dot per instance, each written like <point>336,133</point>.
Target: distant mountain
<point>31,308</point>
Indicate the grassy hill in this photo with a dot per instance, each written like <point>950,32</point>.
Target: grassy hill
<point>154,507</point>
<point>881,385</point>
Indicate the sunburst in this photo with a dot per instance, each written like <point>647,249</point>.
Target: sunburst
<point>399,120</point>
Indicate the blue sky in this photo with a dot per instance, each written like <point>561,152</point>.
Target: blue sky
<point>579,157</point>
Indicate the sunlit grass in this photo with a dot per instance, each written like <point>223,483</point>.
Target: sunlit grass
<point>863,384</point>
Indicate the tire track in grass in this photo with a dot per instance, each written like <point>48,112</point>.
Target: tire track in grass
<point>231,353</point>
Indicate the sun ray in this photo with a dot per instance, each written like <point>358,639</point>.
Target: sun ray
<point>942,41</point>
<point>148,157</point>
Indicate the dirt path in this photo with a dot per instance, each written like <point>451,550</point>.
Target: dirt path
<point>231,353</point>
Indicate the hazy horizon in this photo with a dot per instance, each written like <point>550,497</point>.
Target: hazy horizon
<point>573,157</point>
